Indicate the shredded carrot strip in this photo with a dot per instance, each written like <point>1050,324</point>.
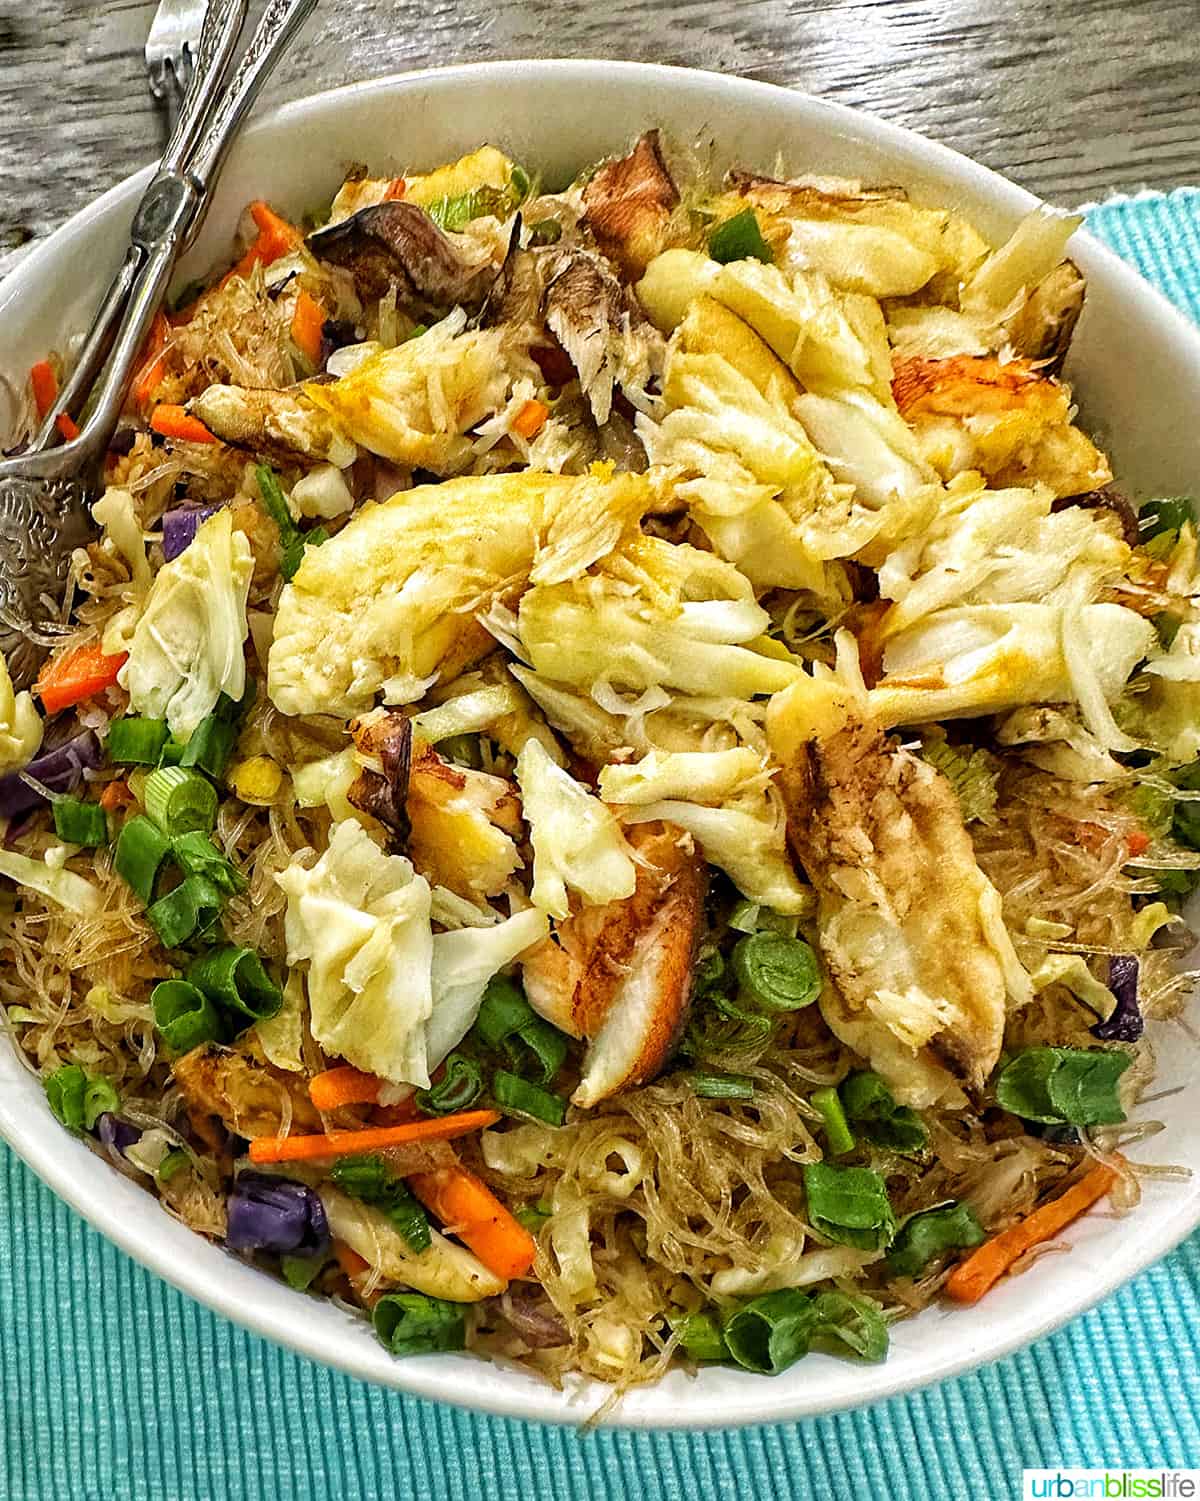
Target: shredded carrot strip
<point>343,1086</point>
<point>370,1139</point>
<point>530,420</point>
<point>67,425</point>
<point>76,675</point>
<point>308,327</point>
<point>45,387</point>
<point>984,1267</point>
<point>116,795</point>
<point>154,365</point>
<point>1138,842</point>
<point>175,422</point>
<point>396,189</point>
<point>469,1209</point>
<point>350,1261</point>
<point>276,238</point>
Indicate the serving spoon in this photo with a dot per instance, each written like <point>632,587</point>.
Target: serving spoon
<point>45,492</point>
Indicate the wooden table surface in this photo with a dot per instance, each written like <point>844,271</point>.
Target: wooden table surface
<point>1072,98</point>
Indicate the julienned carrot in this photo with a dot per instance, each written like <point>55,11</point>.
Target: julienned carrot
<point>67,426</point>
<point>468,1209</point>
<point>530,420</point>
<point>308,327</point>
<point>396,189</point>
<point>343,1086</point>
<point>276,237</point>
<point>350,1261</point>
<point>154,365</point>
<point>370,1139</point>
<point>175,422</point>
<point>45,387</point>
<point>984,1267</point>
<point>1137,843</point>
<point>116,795</point>
<point>76,675</point>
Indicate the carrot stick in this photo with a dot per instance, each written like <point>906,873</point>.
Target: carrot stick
<point>343,1086</point>
<point>530,420</point>
<point>370,1139</point>
<point>175,422</point>
<point>45,387</point>
<point>76,675</point>
<point>276,237</point>
<point>395,189</point>
<point>350,1261</point>
<point>117,795</point>
<point>67,426</point>
<point>974,1276</point>
<point>469,1209</point>
<point>154,365</point>
<point>308,327</point>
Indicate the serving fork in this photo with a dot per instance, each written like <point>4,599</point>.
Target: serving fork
<point>45,492</point>
<point>171,50</point>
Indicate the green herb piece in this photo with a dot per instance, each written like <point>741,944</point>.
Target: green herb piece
<point>185,1016</point>
<point>518,1097</point>
<point>99,1098</point>
<point>507,1023</point>
<point>973,774</point>
<point>1057,1086</point>
<point>459,1087</point>
<point>739,239</point>
<point>532,1216</point>
<point>503,1011</point>
<point>700,1336</point>
<point>181,801</point>
<point>838,1136</point>
<point>849,1205</point>
<point>77,822</point>
<point>292,541</point>
<point>136,742</point>
<point>545,232</point>
<point>197,855</point>
<point>720,1086</point>
<point>209,747</point>
<point>174,1162</point>
<point>852,1322</point>
<point>1185,819</point>
<point>414,1324</point>
<point>752,917</point>
<point>871,1107</point>
<point>776,972</point>
<point>141,849</point>
<point>416,331</point>
<point>771,1332</point>
<point>190,910</point>
<point>933,1232</point>
<point>235,978</point>
<point>299,1272</point>
<point>1167,515</point>
<point>464,750</point>
<point>370,1179</point>
<point>519,184</point>
<point>78,1099</point>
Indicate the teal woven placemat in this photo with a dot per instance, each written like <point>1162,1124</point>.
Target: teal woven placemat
<point>118,1388</point>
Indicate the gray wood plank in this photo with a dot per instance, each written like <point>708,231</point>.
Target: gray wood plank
<point>1073,98</point>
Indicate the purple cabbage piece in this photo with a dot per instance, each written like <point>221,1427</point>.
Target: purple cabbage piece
<point>1126,1024</point>
<point>60,769</point>
<point>179,528</point>
<point>114,1132</point>
<point>275,1214</point>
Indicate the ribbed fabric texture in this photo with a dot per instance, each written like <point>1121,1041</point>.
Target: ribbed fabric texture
<point>118,1388</point>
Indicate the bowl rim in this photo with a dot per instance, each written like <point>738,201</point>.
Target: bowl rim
<point>88,1192</point>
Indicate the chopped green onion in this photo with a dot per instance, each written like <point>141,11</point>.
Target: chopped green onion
<point>778,973</point>
<point>299,1272</point>
<point>273,499</point>
<point>137,742</point>
<point>292,540</point>
<point>181,801</point>
<point>455,213</point>
<point>174,1162</point>
<point>209,747</point>
<point>532,1216</point>
<point>373,1181</point>
<point>517,1097</point>
<point>196,855</point>
<point>721,1028</point>
<point>932,1232</point>
<point>771,1332</point>
<point>739,239</point>
<point>504,1010</point>
<point>519,183</point>
<point>22,1015</point>
<point>77,822</point>
<point>185,1016</point>
<point>459,1087</point>
<point>854,1322</point>
<point>79,1099</point>
<point>414,1324</point>
<point>870,1105</point>
<point>700,1336</point>
<point>462,749</point>
<point>710,971</point>
<point>744,917</point>
<point>838,1135</point>
<point>141,850</point>
<point>190,910</point>
<point>417,330</point>
<point>1168,514</point>
<point>720,1086</point>
<point>545,232</point>
<point>1072,1086</point>
<point>235,978</point>
<point>508,1023</point>
<point>849,1205</point>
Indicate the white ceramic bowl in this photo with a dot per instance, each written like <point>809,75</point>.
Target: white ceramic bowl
<point>1136,364</point>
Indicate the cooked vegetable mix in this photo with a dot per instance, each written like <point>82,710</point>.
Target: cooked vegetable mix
<point>621,783</point>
